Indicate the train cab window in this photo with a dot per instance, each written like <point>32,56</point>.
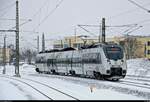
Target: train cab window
<point>113,53</point>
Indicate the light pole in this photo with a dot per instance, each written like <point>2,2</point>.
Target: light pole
<point>147,10</point>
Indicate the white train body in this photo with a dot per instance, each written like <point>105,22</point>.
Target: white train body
<point>105,61</point>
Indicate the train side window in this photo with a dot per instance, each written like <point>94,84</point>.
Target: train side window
<point>49,62</point>
<point>38,60</point>
<point>92,58</point>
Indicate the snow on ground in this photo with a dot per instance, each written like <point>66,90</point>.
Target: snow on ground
<point>78,87</point>
<point>138,67</point>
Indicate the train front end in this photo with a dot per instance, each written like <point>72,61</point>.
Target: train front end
<point>115,62</point>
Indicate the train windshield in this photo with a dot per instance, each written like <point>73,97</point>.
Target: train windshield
<point>113,53</point>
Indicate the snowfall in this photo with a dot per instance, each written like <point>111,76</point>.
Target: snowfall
<point>79,88</point>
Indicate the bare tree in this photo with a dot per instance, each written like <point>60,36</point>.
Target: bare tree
<point>28,55</point>
<point>131,46</point>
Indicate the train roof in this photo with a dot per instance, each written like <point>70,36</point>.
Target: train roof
<point>58,50</point>
<point>97,45</point>
<point>88,46</point>
<point>81,48</point>
<point>49,51</point>
<point>68,49</point>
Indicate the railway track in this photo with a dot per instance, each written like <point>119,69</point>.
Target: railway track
<point>135,76</point>
<point>29,86</point>
<point>137,84</point>
<point>121,81</point>
<point>133,80</point>
<point>52,90</point>
<point>125,82</point>
<point>142,78</point>
<point>104,84</point>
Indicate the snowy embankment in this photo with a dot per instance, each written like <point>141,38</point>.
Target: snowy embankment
<point>138,67</point>
<point>70,85</point>
<point>77,87</point>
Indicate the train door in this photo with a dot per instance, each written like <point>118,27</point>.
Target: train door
<point>49,64</point>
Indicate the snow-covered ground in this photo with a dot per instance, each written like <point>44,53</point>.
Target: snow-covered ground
<point>138,67</point>
<point>79,88</point>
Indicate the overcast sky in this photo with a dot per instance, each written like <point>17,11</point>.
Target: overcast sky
<point>60,22</point>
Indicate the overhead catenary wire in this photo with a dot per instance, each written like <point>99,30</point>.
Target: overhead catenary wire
<point>33,46</point>
<point>108,26</point>
<point>39,12</point>
<point>126,12</point>
<point>32,16</point>
<point>129,29</point>
<point>134,29</point>
<point>86,30</point>
<point>7,8</point>
<point>40,8</point>
<point>139,6</point>
<point>127,25</point>
<point>11,19</point>
<point>50,13</point>
<point>22,23</point>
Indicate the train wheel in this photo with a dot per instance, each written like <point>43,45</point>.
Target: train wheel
<point>72,72</point>
<point>53,71</point>
<point>98,75</point>
<point>37,70</point>
<point>48,72</point>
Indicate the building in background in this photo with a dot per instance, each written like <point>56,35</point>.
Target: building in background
<point>147,48</point>
<point>75,42</point>
<point>8,54</point>
<point>135,46</point>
